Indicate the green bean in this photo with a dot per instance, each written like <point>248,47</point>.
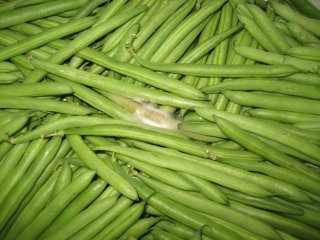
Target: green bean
<point>210,129</point>
<point>295,228</point>
<point>178,229</point>
<point>14,199</point>
<point>270,204</point>
<point>34,207</point>
<point>160,234</point>
<point>267,26</point>
<point>6,66</point>
<point>7,116</point>
<point>103,170</point>
<point>45,218</point>
<point>184,28</point>
<point>306,78</point>
<point>208,189</point>
<point>96,209</point>
<point>118,226</point>
<point>12,160</point>
<point>268,85</point>
<point>180,212</point>
<point>45,37</point>
<point>162,139</point>
<point>215,70</point>
<point>62,182</point>
<point>109,10</point>
<point>4,149</point>
<point>27,28</point>
<point>254,30</point>
<point>87,9</point>
<point>44,105</point>
<point>85,38</point>
<point>286,175</point>
<point>303,52</point>
<point>212,208</point>
<point>165,175</point>
<point>14,125</point>
<point>11,77</point>
<point>83,200</point>
<point>141,227</point>
<point>308,125</point>
<point>35,89</point>
<point>275,58</point>
<point>29,155</point>
<point>301,34</point>
<point>283,116</point>
<point>119,87</point>
<point>230,145</point>
<point>275,102</point>
<point>98,101</point>
<point>266,129</point>
<point>28,13</point>
<point>292,15</point>
<point>206,169</point>
<point>94,227</point>
<point>309,217</point>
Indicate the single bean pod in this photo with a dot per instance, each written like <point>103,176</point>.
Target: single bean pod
<point>303,52</point>
<point>267,85</point>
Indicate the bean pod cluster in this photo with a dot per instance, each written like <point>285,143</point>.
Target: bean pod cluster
<point>159,119</point>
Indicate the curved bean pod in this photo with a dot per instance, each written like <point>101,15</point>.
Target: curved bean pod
<point>303,52</point>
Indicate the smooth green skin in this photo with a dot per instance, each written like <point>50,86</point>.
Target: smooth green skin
<point>35,89</point>
<point>44,37</point>
<point>216,70</point>
<point>270,204</point>
<point>82,201</point>
<point>305,78</point>
<point>144,75</point>
<point>109,10</point>
<point>103,170</point>
<point>255,31</point>
<point>159,234</point>
<point>16,196</point>
<point>6,66</point>
<point>15,174</point>
<point>310,217</point>
<point>210,129</point>
<point>163,139</point>
<point>29,13</point>
<point>178,229</point>
<point>267,85</point>
<point>209,207</point>
<point>80,221</point>
<point>207,188</point>
<point>47,216</point>
<point>283,116</point>
<point>123,222</point>
<point>87,9</point>
<point>6,78</point>
<point>230,145</point>
<point>268,27</point>
<point>301,34</point>
<point>292,15</point>
<point>277,58</point>
<point>300,180</point>
<point>180,212</point>
<point>166,175</point>
<point>13,126</point>
<point>207,169</point>
<point>34,207</point>
<point>184,28</point>
<point>62,182</point>
<point>274,102</point>
<point>85,38</point>
<point>312,125</point>
<point>45,105</point>
<point>96,226</point>
<point>266,129</point>
<point>4,149</point>
<point>152,44</point>
<point>304,52</point>
<point>98,101</point>
<point>12,160</point>
<point>307,8</point>
<point>295,228</point>
<point>140,227</point>
<point>117,87</point>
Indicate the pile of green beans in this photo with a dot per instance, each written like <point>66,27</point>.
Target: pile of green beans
<point>159,119</point>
